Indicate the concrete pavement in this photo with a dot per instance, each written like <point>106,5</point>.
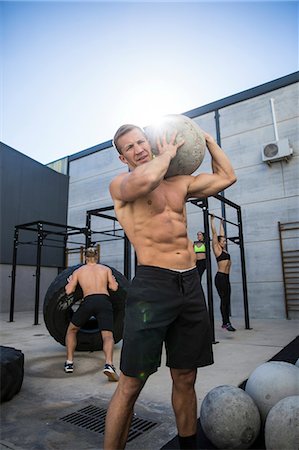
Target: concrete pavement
<point>37,417</point>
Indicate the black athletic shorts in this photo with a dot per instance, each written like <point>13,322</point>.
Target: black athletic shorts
<point>97,305</point>
<point>165,306</point>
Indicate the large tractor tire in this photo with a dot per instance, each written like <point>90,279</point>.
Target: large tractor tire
<point>12,372</point>
<point>59,308</point>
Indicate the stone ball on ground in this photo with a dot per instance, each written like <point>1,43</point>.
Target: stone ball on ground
<point>229,417</point>
<point>282,425</point>
<point>191,154</point>
<point>271,382</point>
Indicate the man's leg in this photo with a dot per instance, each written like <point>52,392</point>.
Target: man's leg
<point>108,345</point>
<point>120,412</point>
<point>71,340</point>
<point>184,404</point>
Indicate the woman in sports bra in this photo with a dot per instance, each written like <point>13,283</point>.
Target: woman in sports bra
<point>222,282</point>
<point>200,251</point>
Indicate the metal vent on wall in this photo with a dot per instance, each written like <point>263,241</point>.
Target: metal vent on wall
<point>92,418</point>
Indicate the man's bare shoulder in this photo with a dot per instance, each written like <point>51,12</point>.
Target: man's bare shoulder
<point>114,186</point>
<point>103,267</point>
<point>116,180</point>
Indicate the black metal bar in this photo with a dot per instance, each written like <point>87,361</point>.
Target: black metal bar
<point>28,243</point>
<point>218,137</point>
<point>13,275</point>
<point>225,220</point>
<point>109,233</point>
<point>105,216</point>
<point>37,271</point>
<point>197,202</point>
<point>25,227</point>
<point>54,246</point>
<point>53,224</point>
<point>75,233</point>
<point>225,200</point>
<point>209,266</point>
<point>234,239</point>
<point>65,251</point>
<point>243,268</point>
<point>99,210</point>
<point>88,229</point>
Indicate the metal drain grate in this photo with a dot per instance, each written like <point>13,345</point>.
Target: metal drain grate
<point>92,418</point>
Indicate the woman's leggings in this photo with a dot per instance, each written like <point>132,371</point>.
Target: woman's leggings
<point>201,265</point>
<point>223,288</point>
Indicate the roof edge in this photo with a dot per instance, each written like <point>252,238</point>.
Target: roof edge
<point>209,107</point>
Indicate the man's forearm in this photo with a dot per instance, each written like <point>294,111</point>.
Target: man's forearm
<point>155,170</point>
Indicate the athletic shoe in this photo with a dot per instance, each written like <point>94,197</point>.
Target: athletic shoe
<point>110,371</point>
<point>68,367</point>
<point>228,326</point>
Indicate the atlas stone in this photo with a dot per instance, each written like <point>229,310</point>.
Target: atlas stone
<point>271,382</point>
<point>282,425</point>
<point>191,154</point>
<point>229,417</point>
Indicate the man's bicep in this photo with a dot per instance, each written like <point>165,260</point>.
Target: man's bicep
<point>199,184</point>
<point>205,185</point>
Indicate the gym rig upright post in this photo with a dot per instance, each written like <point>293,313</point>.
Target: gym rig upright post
<point>102,213</point>
<point>203,203</point>
<point>43,229</point>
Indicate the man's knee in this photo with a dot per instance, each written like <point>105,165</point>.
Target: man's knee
<point>107,335</point>
<point>130,387</point>
<point>72,328</point>
<point>183,378</point>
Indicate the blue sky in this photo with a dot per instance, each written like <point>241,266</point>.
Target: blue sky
<point>73,72</point>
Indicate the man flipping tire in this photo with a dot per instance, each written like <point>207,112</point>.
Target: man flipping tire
<point>94,279</point>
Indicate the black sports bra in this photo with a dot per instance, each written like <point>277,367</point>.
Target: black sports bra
<point>223,256</point>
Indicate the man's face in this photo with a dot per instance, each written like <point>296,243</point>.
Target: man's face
<point>135,149</point>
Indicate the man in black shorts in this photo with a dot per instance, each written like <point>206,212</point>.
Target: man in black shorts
<point>94,279</point>
<point>165,303</point>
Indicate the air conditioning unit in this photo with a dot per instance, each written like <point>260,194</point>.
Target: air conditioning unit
<point>276,151</point>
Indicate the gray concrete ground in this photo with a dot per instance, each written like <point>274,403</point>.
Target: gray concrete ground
<point>33,418</point>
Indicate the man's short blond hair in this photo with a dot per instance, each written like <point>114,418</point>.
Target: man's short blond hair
<point>91,252</point>
<point>124,129</point>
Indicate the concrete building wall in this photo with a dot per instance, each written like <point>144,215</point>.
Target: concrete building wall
<point>25,287</point>
<point>89,189</point>
<point>266,193</point>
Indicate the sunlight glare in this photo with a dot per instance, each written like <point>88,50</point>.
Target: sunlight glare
<point>148,102</point>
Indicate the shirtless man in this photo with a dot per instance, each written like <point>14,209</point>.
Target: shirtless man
<point>94,279</point>
<point>222,281</point>
<point>164,303</point>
